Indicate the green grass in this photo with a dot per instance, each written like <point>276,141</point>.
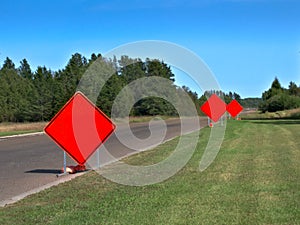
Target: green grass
<point>255,179</point>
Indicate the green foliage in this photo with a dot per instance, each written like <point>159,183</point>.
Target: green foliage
<point>194,97</point>
<point>42,98</point>
<point>109,93</point>
<point>27,95</point>
<point>153,106</point>
<point>14,96</point>
<point>25,70</point>
<point>293,89</point>
<point>251,102</point>
<point>276,84</point>
<point>276,103</point>
<point>8,64</point>
<point>278,98</point>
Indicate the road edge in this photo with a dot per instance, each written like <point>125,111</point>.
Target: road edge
<point>22,135</point>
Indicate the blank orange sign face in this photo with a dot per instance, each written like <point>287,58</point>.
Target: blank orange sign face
<point>234,108</point>
<point>214,107</point>
<point>80,128</point>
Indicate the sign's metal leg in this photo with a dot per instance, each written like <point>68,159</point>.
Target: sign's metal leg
<point>65,161</point>
<point>98,158</point>
<point>65,166</point>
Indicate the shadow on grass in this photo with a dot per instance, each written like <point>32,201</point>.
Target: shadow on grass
<point>276,121</point>
<point>44,171</point>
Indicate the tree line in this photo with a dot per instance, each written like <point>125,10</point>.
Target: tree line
<point>31,96</point>
<point>37,96</point>
<point>278,98</point>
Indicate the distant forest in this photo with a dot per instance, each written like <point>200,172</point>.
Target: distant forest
<point>27,95</point>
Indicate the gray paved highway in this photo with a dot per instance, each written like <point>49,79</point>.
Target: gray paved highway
<point>33,161</point>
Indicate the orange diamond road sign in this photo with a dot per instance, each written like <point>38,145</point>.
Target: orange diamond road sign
<point>234,108</point>
<point>80,128</point>
<point>214,107</point>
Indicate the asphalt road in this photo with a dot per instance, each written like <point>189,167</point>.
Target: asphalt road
<point>30,162</point>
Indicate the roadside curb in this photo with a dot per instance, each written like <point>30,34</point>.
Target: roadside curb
<point>64,179</point>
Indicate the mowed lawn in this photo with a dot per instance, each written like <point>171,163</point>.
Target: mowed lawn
<point>255,179</point>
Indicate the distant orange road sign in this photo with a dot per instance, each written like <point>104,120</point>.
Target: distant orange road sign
<point>234,108</point>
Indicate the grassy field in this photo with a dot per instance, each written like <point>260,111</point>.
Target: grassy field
<point>286,114</point>
<point>255,179</point>
<point>20,128</point>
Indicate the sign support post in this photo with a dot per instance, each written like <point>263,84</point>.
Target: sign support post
<point>98,158</point>
<point>65,166</point>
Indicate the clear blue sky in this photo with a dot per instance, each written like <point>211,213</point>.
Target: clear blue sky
<point>246,43</point>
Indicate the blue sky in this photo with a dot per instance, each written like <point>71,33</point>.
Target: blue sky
<point>246,43</point>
